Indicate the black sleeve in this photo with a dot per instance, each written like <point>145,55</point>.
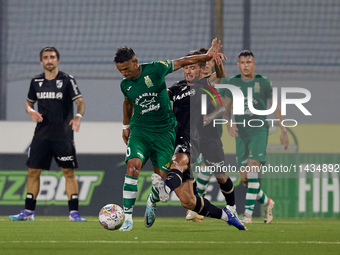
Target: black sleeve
<point>73,88</point>
<point>171,92</point>
<point>32,96</point>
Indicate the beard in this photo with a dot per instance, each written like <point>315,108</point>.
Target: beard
<point>49,67</point>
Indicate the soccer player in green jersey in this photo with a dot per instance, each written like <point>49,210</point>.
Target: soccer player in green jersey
<point>251,142</point>
<point>148,121</point>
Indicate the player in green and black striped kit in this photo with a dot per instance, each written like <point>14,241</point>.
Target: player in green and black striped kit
<point>148,122</point>
<point>251,142</point>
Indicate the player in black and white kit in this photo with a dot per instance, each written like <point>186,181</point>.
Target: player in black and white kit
<point>55,92</point>
<point>212,151</point>
<point>186,95</point>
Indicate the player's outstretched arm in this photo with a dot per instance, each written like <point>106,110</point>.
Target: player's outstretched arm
<point>127,114</point>
<point>75,122</point>
<point>35,115</point>
<point>283,137</point>
<point>190,60</point>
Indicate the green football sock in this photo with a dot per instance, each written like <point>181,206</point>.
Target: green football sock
<point>129,193</point>
<point>262,197</point>
<point>252,190</point>
<point>202,183</point>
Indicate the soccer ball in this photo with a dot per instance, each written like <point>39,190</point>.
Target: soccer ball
<point>111,216</point>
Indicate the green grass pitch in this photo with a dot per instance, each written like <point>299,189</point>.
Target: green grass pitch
<point>56,235</point>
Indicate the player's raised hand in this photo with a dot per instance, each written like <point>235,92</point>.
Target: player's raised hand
<point>215,47</point>
<point>75,123</point>
<point>218,58</point>
<point>35,116</point>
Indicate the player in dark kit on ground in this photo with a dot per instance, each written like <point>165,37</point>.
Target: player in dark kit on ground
<point>148,122</point>
<point>55,92</point>
<point>187,96</point>
<point>212,153</point>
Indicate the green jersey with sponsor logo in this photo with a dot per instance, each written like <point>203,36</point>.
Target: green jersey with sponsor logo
<point>148,92</point>
<point>262,91</point>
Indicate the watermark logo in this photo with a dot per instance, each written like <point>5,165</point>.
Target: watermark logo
<point>204,98</point>
<point>239,102</point>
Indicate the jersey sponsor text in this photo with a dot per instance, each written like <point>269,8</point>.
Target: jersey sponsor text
<point>46,95</point>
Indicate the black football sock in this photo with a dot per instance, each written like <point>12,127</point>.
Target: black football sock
<point>30,202</point>
<point>174,179</point>
<point>228,192</point>
<point>205,208</point>
<point>73,203</point>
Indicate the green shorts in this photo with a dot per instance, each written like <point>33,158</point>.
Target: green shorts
<point>158,146</point>
<point>251,147</point>
<point>199,161</point>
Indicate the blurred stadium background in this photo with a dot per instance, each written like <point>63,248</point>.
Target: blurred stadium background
<point>296,44</point>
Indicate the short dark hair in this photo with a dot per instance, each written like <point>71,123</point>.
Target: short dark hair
<point>194,53</point>
<point>246,53</point>
<point>49,48</point>
<point>123,54</point>
<point>203,50</point>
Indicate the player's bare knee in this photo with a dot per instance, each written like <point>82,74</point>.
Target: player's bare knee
<point>179,166</point>
<point>68,173</point>
<point>33,173</point>
<point>132,171</point>
<point>133,168</point>
<point>180,162</point>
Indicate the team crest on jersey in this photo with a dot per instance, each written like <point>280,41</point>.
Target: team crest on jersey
<point>148,81</point>
<point>257,87</point>
<point>59,83</point>
<point>59,96</point>
<point>40,84</point>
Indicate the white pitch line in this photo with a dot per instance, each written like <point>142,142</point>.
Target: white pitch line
<point>177,242</point>
<point>136,242</point>
<point>159,220</point>
<point>280,222</point>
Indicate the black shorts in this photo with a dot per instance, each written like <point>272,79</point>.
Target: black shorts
<point>184,145</point>
<point>187,175</point>
<point>41,152</point>
<point>212,152</point>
